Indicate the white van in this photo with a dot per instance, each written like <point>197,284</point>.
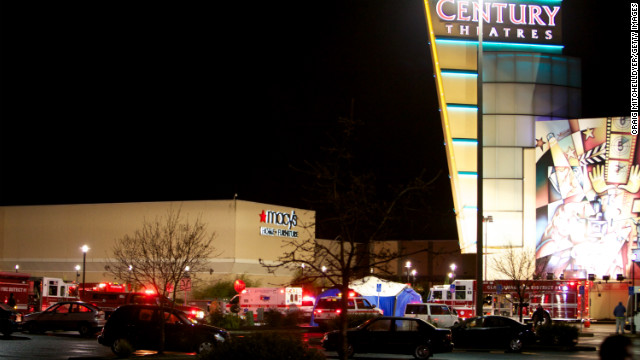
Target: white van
<point>439,315</point>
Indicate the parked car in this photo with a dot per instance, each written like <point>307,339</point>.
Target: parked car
<point>10,320</point>
<point>329,307</point>
<point>137,327</point>
<point>494,332</point>
<point>392,335</point>
<point>439,315</point>
<point>87,319</point>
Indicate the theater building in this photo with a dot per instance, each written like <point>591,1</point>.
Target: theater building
<point>552,181</point>
<point>47,240</point>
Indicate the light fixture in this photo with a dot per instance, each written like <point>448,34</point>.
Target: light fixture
<point>84,248</point>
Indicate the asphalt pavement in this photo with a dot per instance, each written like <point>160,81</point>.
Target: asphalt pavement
<point>590,339</point>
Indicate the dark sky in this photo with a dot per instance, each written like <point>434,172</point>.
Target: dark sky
<point>124,103</point>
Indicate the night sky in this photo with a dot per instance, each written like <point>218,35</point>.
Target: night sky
<point>126,103</point>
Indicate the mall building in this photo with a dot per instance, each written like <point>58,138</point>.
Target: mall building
<point>47,240</point>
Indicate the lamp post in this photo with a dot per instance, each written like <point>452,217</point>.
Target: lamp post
<point>413,274</point>
<point>17,267</point>
<point>634,259</point>
<point>408,266</point>
<point>324,271</point>
<point>85,248</point>
<point>452,274</point>
<point>486,220</point>
<point>129,287</point>
<point>186,283</point>
<point>77,272</point>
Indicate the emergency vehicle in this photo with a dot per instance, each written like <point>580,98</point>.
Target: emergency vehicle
<point>271,298</point>
<point>108,301</point>
<point>46,291</point>
<point>328,307</point>
<point>18,285</point>
<point>564,300</point>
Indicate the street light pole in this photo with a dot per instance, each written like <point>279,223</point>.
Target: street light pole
<point>85,248</point>
<point>408,266</point>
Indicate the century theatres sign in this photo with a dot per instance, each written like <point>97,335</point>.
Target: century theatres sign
<point>282,219</point>
<point>536,22</point>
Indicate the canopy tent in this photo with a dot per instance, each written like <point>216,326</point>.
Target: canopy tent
<point>391,297</point>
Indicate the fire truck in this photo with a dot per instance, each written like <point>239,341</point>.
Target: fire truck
<point>272,298</point>
<point>46,291</point>
<point>33,293</point>
<point>108,296</point>
<point>564,300</point>
<point>18,285</point>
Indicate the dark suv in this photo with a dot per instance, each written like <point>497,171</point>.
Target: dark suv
<point>136,327</point>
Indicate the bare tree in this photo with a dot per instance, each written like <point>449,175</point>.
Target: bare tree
<point>161,254</point>
<point>355,213</point>
<point>519,266</point>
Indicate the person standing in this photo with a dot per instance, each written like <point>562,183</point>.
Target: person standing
<point>618,312</point>
<point>12,301</point>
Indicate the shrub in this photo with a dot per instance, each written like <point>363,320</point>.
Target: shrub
<point>558,333</point>
<point>227,321</point>
<point>274,318</point>
<point>268,345</point>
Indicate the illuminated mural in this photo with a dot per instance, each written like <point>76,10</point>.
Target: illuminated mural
<point>587,198</point>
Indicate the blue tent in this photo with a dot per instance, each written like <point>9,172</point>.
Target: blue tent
<point>391,297</point>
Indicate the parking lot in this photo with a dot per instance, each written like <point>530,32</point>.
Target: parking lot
<point>69,345</point>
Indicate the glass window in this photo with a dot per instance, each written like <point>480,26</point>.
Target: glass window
<point>53,288</point>
<point>145,315</point>
<point>416,309</point>
<point>83,309</point>
<point>380,325</point>
<point>436,310</point>
<point>351,304</point>
<point>366,304</point>
<point>63,309</point>
<point>170,318</point>
<point>406,325</point>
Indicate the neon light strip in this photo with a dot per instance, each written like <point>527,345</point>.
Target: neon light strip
<point>462,107</point>
<point>465,141</point>
<point>459,72</point>
<point>505,46</point>
<point>468,173</point>
<point>444,118</point>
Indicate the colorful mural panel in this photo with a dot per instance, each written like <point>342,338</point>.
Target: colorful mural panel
<point>587,196</point>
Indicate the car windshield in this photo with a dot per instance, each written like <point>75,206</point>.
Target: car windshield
<point>5,306</point>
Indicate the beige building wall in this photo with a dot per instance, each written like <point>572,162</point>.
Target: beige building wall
<point>47,240</point>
